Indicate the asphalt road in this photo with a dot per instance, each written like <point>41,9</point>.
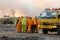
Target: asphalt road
<point>8,32</point>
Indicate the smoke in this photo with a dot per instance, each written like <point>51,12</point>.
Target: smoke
<point>28,7</point>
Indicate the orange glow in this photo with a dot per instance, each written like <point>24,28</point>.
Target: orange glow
<point>34,4</point>
<point>19,13</point>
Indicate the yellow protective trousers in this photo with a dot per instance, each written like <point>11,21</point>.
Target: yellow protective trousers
<point>36,29</point>
<point>18,28</point>
<point>24,28</point>
<point>29,28</point>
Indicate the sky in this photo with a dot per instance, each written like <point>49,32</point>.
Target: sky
<point>26,7</point>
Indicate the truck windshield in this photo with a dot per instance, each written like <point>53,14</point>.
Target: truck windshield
<point>48,15</point>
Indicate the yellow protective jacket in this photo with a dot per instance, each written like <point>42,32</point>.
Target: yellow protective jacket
<point>18,25</point>
<point>35,21</point>
<point>29,22</point>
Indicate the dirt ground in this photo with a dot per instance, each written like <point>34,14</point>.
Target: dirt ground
<point>8,32</point>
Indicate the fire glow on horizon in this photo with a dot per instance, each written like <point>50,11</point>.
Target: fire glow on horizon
<point>26,7</point>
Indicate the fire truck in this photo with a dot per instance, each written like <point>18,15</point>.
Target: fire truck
<point>50,20</point>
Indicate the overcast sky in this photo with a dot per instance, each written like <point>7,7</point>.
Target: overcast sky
<point>26,7</point>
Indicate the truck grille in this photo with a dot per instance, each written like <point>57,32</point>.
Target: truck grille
<point>45,23</point>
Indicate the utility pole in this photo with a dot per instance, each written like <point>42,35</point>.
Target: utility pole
<point>13,13</point>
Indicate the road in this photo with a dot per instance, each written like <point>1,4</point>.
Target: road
<point>8,32</point>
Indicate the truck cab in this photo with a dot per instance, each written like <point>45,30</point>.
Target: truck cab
<point>48,20</point>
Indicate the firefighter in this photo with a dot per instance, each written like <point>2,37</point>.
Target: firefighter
<point>34,25</point>
<point>36,19</point>
<point>18,24</point>
<point>24,24</point>
<point>29,23</point>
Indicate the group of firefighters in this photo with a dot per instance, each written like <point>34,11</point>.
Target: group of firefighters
<point>27,24</point>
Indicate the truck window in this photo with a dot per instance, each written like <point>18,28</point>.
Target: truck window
<point>48,15</point>
<point>58,16</point>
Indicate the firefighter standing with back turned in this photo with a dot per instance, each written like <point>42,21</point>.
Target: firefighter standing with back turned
<point>18,24</point>
<point>24,24</point>
<point>29,23</point>
<point>36,19</point>
<point>34,25</point>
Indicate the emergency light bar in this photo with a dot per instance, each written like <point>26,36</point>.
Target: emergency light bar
<point>47,9</point>
<point>51,9</point>
<point>58,8</point>
<point>54,8</point>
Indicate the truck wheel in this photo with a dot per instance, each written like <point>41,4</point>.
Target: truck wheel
<point>58,28</point>
<point>45,31</point>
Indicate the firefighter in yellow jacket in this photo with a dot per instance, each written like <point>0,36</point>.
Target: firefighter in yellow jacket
<point>18,24</point>
<point>36,20</point>
<point>34,25</point>
<point>29,23</point>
